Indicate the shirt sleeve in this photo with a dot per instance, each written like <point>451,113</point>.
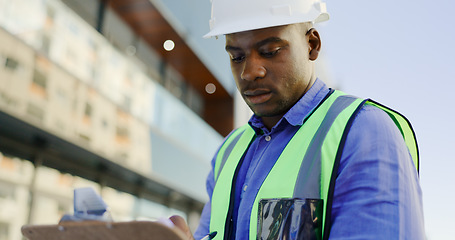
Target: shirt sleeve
<point>377,193</point>
<point>204,223</point>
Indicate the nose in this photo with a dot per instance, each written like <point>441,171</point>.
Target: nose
<point>253,69</point>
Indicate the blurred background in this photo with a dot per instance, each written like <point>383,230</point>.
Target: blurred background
<point>126,97</point>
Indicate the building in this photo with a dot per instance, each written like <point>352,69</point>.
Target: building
<point>89,96</point>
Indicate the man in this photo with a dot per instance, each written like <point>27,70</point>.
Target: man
<point>357,158</point>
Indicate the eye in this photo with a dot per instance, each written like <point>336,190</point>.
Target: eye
<point>269,54</point>
<point>237,59</point>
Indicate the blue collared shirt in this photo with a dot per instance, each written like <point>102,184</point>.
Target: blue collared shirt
<point>377,193</point>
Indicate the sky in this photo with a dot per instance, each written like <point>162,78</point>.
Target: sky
<point>402,54</point>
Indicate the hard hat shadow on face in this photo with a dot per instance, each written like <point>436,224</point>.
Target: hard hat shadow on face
<point>239,15</point>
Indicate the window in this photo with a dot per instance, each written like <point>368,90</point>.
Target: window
<point>39,79</point>
<point>35,111</point>
<point>122,131</point>
<point>121,157</point>
<point>88,110</point>
<point>84,137</point>
<point>6,191</point>
<point>11,64</point>
<point>63,209</point>
<point>4,231</point>
<point>50,12</point>
<point>46,44</point>
<point>39,84</point>
<point>127,102</point>
<point>104,123</point>
<point>122,135</point>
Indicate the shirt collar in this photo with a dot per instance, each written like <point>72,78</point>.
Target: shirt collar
<point>297,114</point>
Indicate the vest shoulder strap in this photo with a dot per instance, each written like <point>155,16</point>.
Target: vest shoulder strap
<point>408,135</point>
<point>405,128</point>
<point>228,157</point>
<point>228,147</point>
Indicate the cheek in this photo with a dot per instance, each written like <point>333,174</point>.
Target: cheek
<point>237,84</point>
<point>236,79</point>
<point>293,81</point>
<point>235,70</point>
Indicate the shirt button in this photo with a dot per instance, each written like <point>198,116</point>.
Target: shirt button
<point>268,138</point>
<point>245,187</point>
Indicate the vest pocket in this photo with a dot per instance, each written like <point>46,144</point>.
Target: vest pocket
<point>290,218</point>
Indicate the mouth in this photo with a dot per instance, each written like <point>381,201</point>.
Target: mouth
<point>257,96</point>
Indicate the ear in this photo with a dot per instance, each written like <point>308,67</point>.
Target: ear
<point>314,44</point>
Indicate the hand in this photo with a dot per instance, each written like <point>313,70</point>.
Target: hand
<point>180,223</point>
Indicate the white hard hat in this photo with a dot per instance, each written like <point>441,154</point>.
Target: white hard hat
<point>230,16</point>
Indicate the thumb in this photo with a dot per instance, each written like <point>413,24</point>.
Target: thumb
<point>180,223</point>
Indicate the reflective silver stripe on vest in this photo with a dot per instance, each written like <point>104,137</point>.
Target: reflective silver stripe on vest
<point>227,152</point>
<point>308,179</point>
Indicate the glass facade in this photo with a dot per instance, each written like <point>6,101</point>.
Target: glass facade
<point>59,74</point>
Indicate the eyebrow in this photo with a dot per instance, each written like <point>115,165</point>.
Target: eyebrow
<point>258,44</point>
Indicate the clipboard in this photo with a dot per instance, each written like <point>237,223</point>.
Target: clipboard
<point>96,230</point>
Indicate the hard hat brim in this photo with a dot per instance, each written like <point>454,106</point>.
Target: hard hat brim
<point>235,27</point>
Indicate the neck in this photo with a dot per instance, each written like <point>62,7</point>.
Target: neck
<point>269,122</point>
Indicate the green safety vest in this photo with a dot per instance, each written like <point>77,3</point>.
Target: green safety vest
<point>328,125</point>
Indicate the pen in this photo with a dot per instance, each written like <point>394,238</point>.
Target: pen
<point>209,236</point>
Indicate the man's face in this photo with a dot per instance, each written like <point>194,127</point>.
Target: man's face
<point>271,68</point>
